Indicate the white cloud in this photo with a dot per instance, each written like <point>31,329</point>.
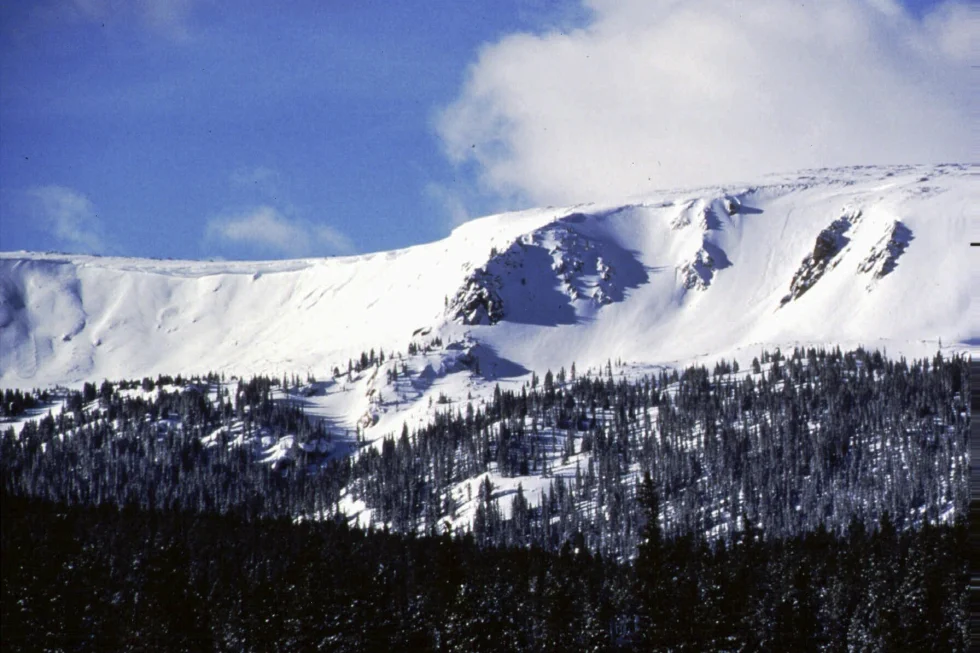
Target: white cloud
<point>954,28</point>
<point>266,229</point>
<point>67,215</point>
<point>333,239</point>
<point>656,94</point>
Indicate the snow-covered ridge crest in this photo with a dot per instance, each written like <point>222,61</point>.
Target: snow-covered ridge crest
<point>660,278</point>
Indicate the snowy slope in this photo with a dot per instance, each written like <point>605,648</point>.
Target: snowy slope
<point>711,282</point>
<point>874,256</point>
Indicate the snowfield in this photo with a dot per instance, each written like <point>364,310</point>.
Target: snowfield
<point>659,279</point>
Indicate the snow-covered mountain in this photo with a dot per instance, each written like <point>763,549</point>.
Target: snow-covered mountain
<point>874,256</point>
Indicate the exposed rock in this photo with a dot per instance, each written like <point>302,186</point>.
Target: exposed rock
<point>367,420</point>
<point>884,255</point>
<point>705,214</point>
<point>700,270</point>
<point>584,273</point>
<point>478,300</point>
<point>829,243</point>
<point>513,282</point>
<point>697,273</point>
<point>732,205</point>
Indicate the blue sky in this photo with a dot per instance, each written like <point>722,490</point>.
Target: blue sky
<point>181,128</point>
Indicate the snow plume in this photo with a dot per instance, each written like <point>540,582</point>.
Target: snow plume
<point>657,94</point>
<point>69,216</point>
<point>267,230</point>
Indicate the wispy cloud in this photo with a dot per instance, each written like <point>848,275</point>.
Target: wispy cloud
<point>333,239</point>
<point>67,215</point>
<point>267,230</point>
<point>450,202</point>
<point>655,94</point>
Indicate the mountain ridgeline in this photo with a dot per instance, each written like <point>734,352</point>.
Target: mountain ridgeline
<point>821,258</point>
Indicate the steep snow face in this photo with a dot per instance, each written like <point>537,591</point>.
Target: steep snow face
<point>554,275</point>
<point>873,256</point>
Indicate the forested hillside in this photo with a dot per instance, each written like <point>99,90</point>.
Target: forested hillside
<point>816,437</point>
<point>813,501</point>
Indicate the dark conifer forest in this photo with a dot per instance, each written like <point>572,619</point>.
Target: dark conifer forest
<point>814,501</point>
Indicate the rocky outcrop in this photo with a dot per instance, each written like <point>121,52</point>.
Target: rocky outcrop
<point>884,255</point>
<point>697,273</point>
<point>582,271</point>
<point>699,218</point>
<point>829,244</point>
<point>706,214</point>
<point>478,301</point>
<point>544,277</point>
<point>732,205</point>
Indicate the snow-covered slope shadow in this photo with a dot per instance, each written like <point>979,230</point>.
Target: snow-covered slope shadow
<point>530,289</point>
<point>489,364</point>
<point>556,275</point>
